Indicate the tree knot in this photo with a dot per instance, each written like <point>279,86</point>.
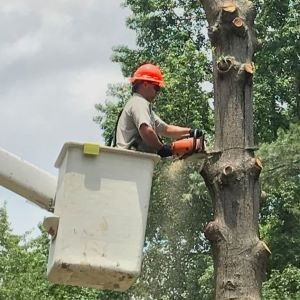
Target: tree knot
<point>229,285</point>
<point>213,232</point>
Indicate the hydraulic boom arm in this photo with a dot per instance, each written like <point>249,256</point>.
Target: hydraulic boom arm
<point>27,180</point>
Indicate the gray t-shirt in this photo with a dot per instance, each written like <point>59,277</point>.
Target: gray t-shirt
<point>136,112</point>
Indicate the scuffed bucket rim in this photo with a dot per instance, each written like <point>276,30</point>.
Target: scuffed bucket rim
<point>155,158</point>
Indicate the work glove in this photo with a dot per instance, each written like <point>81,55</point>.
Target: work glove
<point>196,133</point>
<point>165,151</point>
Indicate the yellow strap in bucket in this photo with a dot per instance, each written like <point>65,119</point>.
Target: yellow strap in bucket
<point>91,149</point>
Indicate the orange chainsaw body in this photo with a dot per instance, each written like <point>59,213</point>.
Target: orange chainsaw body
<point>187,146</point>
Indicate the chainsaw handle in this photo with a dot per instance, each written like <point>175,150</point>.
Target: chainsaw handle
<point>195,133</point>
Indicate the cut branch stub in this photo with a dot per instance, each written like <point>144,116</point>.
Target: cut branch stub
<point>228,170</point>
<point>248,68</point>
<point>227,175</point>
<point>238,22</point>
<point>261,250</point>
<point>224,64</point>
<point>263,198</point>
<point>239,27</point>
<point>229,11</point>
<point>229,7</point>
<point>256,167</point>
<point>258,163</point>
<point>263,195</point>
<point>246,72</point>
<point>266,248</point>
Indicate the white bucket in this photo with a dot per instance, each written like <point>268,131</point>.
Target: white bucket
<point>102,203</point>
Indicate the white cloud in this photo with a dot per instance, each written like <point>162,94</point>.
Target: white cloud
<point>54,66</point>
<point>21,48</point>
<point>87,85</point>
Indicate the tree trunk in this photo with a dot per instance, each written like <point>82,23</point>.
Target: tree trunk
<point>232,172</point>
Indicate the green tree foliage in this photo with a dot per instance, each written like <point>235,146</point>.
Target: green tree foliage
<point>108,113</point>
<point>283,285</point>
<point>280,217</point>
<point>277,80</point>
<point>281,213</point>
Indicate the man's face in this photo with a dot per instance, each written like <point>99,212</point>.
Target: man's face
<point>151,90</point>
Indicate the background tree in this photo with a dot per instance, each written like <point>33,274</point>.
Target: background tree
<point>280,220</point>
<point>277,77</point>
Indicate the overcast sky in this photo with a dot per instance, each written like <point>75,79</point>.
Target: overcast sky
<point>54,66</point>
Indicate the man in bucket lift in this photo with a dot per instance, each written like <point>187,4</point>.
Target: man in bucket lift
<point>139,128</point>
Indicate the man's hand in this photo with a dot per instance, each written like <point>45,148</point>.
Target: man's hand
<point>196,133</point>
<point>165,151</point>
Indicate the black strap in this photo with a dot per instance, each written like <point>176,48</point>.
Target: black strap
<point>113,137</point>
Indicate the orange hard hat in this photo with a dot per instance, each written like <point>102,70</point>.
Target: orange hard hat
<point>148,72</point>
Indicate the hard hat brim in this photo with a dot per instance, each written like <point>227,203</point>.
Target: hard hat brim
<point>145,78</point>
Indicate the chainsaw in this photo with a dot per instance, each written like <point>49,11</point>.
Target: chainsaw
<point>186,147</point>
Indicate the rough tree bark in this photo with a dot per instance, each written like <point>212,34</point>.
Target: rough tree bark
<point>232,172</point>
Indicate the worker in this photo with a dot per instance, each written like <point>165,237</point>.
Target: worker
<point>138,126</point>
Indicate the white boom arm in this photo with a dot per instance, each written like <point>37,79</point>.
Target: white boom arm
<point>27,180</point>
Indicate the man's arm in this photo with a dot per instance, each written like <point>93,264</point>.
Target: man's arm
<point>149,137</point>
<point>175,132</point>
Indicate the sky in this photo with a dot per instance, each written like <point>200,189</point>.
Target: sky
<point>55,65</point>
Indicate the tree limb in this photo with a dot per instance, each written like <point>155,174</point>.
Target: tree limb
<point>211,9</point>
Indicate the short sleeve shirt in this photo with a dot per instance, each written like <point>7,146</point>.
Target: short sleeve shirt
<point>136,112</point>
